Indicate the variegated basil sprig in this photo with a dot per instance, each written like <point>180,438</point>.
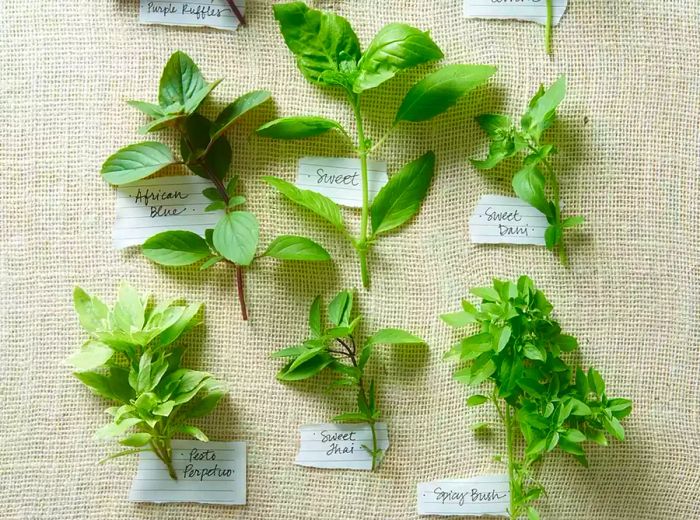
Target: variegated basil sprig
<point>206,152</point>
<point>328,54</point>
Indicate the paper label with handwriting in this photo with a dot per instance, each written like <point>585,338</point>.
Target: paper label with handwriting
<point>199,13</point>
<point>506,220</point>
<point>151,206</point>
<point>487,495</point>
<point>207,472</point>
<point>339,446</point>
<point>527,10</point>
<point>341,179</point>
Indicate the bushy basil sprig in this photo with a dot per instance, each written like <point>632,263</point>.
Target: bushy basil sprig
<point>328,54</point>
<point>521,350</point>
<point>337,348</point>
<point>207,153</point>
<point>130,359</point>
<point>531,180</point>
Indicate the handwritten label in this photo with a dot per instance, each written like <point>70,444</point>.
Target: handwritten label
<point>336,446</point>
<point>151,206</point>
<point>200,13</point>
<point>487,495</point>
<point>506,220</point>
<point>207,472</point>
<point>527,10</point>
<point>340,179</point>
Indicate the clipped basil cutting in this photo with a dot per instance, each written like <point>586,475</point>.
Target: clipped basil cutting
<point>207,153</point>
<point>131,360</point>
<point>328,53</point>
<point>530,182</point>
<point>544,399</point>
<point>338,349</point>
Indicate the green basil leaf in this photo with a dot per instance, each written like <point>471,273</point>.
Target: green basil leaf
<point>315,202</point>
<point>476,400</point>
<point>306,370</point>
<point>340,309</point>
<point>528,184</point>
<point>289,247</point>
<point>92,354</point>
<point>401,197</point>
<point>315,324</point>
<point>494,125</point>
<point>552,236</point>
<point>298,127</point>
<point>193,431</point>
<point>394,337</point>
<point>136,439</point>
<point>440,90</point>
<point>317,39</point>
<point>205,405</point>
<point>192,104</point>
<point>236,237</point>
<point>187,320</point>
<point>236,109</point>
<point>114,430</point>
<point>160,123</point>
<point>396,47</point>
<point>176,248</point>
<point>93,314</point>
<point>135,162</point>
<point>181,81</point>
<point>147,108</point>
<point>541,112</point>
<point>458,319</point>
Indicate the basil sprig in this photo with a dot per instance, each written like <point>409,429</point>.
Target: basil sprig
<point>328,54</point>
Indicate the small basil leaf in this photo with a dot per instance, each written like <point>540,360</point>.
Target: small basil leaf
<point>176,248</point>
<point>236,237</point>
<point>135,162</point>
<point>288,247</point>
<point>298,127</point>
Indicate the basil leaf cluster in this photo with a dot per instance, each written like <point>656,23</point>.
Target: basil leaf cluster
<point>544,399</point>
<point>131,359</point>
<point>337,348</point>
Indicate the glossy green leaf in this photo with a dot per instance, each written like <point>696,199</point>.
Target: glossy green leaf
<point>401,198</point>
<point>299,127</point>
<point>135,162</point>
<point>440,90</point>
<point>315,202</point>
<point>236,237</point>
<point>232,112</point>
<point>181,81</point>
<point>92,354</point>
<point>528,184</point>
<point>394,337</point>
<point>476,400</point>
<point>289,247</point>
<point>396,47</point>
<point>176,248</point>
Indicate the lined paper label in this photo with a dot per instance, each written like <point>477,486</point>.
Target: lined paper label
<point>340,179</point>
<point>506,220</point>
<point>148,207</point>
<point>207,472</point>
<point>487,495</point>
<point>339,446</point>
<point>527,10</point>
<point>200,13</point>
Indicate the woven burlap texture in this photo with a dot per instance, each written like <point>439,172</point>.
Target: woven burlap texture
<point>628,142</point>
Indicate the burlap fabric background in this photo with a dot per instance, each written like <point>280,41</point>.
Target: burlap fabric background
<point>628,137</point>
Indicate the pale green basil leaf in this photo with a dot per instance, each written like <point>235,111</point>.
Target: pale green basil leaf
<point>458,319</point>
<point>340,309</point>
<point>401,197</point>
<point>317,39</point>
<point>181,81</point>
<point>164,409</point>
<point>440,90</point>
<point>91,355</point>
<point>541,112</point>
<point>193,431</point>
<point>188,319</point>
<point>315,317</point>
<point>573,221</point>
<point>236,237</point>
<point>147,108</point>
<point>206,404</point>
<point>476,400</point>
<point>288,247</point>
<point>394,337</point>
<point>114,430</point>
<point>396,47</point>
<point>236,109</point>
<point>93,314</point>
<point>136,439</point>
<point>319,204</point>
<point>299,127</point>
<point>176,248</point>
<point>135,162</point>
<point>528,184</point>
<point>130,309</point>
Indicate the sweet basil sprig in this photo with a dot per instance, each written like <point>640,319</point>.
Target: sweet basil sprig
<point>338,348</point>
<point>537,389</point>
<point>531,180</point>
<point>130,359</point>
<point>207,153</point>
<point>328,54</point>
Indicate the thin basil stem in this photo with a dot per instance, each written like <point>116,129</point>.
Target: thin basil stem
<point>511,462</point>
<point>548,29</point>
<point>361,245</point>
